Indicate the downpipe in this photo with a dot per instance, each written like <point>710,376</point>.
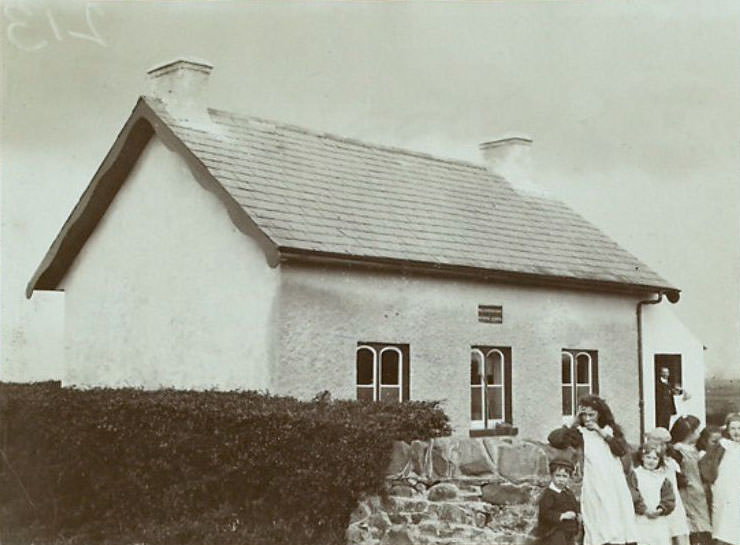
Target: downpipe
<point>640,378</point>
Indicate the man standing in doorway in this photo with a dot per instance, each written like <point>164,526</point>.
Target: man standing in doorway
<point>665,405</point>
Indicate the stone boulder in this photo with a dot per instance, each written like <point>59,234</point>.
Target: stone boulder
<point>504,494</point>
<point>397,535</point>
<point>443,491</point>
<point>378,523</point>
<point>444,457</point>
<point>361,513</point>
<point>357,534</point>
<point>400,459</point>
<point>420,459</point>
<point>522,461</point>
<point>403,490</point>
<point>473,458</point>
<point>450,512</point>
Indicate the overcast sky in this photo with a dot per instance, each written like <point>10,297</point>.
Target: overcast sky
<point>633,108</point>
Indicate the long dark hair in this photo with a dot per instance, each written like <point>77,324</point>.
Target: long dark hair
<point>703,442</point>
<point>682,428</point>
<point>605,418</point>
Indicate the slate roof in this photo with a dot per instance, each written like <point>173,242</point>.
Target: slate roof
<point>321,193</point>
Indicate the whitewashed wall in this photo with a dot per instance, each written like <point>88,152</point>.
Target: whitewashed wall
<point>32,342</point>
<point>324,313</point>
<point>167,292</point>
<point>664,333</point>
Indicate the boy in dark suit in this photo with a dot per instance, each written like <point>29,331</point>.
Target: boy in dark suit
<point>558,508</point>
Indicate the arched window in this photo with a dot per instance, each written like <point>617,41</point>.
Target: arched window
<point>579,377</point>
<point>366,357</point>
<point>490,386</point>
<point>391,381</point>
<point>382,372</point>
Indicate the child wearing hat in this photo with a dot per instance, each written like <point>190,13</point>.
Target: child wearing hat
<point>559,511</point>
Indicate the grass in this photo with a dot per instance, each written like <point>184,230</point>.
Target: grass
<point>723,396</point>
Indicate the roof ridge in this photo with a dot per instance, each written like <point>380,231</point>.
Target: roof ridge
<point>559,239</point>
<point>347,139</point>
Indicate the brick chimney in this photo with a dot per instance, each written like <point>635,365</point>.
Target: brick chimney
<point>183,85</point>
<point>511,159</point>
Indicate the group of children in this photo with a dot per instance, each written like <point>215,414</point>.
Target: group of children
<point>680,487</point>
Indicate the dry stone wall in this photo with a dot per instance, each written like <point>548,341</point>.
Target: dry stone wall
<point>456,491</point>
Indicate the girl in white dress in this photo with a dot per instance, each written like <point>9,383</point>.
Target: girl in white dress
<point>653,495</point>
<point>720,467</point>
<point>606,500</point>
<point>677,521</point>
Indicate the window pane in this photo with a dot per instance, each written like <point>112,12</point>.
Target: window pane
<point>567,379</point>
<point>365,363</point>
<point>495,403</point>
<point>567,400</point>
<point>583,368</point>
<point>365,394</point>
<point>476,403</point>
<point>494,368</point>
<point>582,391</point>
<point>390,393</point>
<point>389,367</point>
<point>476,366</point>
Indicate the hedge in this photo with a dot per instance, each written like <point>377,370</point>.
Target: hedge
<point>173,467</point>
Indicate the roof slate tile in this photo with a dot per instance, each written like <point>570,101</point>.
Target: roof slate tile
<point>316,192</point>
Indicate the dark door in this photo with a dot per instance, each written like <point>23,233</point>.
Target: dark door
<point>673,363</point>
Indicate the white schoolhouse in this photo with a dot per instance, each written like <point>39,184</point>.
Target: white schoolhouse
<point>216,250</point>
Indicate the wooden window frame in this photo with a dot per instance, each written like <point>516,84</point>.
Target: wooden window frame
<point>574,384</point>
<point>487,424</point>
<point>404,372</point>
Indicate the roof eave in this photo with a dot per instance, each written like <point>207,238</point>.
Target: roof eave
<point>47,276</point>
<point>290,254</point>
<point>141,125</point>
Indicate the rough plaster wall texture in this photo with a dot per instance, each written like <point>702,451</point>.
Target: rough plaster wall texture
<point>167,292</point>
<point>32,351</point>
<point>323,314</point>
<point>664,333</point>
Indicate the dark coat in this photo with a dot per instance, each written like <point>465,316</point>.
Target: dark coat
<point>708,469</point>
<point>709,463</point>
<point>665,405</point>
<point>550,529</point>
<point>565,437</point>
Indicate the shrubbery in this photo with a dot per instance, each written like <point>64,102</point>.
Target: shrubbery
<point>179,467</point>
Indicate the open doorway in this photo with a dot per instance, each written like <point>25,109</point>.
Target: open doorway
<point>664,404</point>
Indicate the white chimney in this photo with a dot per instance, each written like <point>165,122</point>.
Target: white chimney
<point>183,85</point>
<point>511,159</point>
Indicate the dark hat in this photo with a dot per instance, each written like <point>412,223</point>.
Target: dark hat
<point>561,461</point>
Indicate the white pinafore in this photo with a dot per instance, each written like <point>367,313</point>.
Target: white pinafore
<point>726,495</point>
<point>677,521</point>
<point>606,502</point>
<point>652,531</point>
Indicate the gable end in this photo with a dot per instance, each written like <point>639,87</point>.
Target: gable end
<point>108,180</point>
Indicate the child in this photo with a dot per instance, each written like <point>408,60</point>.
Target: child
<point>558,508</point>
<point>684,434</point>
<point>654,499</point>
<point>708,437</point>
<point>720,467</point>
<point>677,520</point>
<point>606,500</point>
